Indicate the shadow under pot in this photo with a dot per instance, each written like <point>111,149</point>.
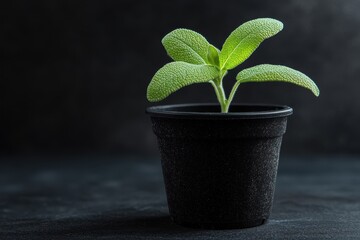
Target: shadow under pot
<point>219,168</point>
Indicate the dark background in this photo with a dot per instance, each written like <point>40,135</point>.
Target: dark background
<point>74,73</point>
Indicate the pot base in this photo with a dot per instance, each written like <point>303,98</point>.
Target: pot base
<point>219,226</point>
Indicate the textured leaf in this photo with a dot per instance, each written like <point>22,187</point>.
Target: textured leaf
<point>268,72</point>
<point>244,40</point>
<point>187,46</point>
<point>176,75</point>
<point>213,55</point>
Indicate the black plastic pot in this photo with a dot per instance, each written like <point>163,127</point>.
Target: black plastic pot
<point>219,169</point>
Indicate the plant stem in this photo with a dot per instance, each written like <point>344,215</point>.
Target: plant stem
<point>231,96</point>
<point>223,98</point>
<point>220,93</point>
<point>216,91</point>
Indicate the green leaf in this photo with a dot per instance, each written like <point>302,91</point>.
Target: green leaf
<point>213,56</point>
<point>187,46</point>
<point>268,72</point>
<point>176,75</point>
<point>244,40</point>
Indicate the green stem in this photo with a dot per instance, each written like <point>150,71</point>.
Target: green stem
<point>231,96</point>
<point>220,93</point>
<point>216,91</point>
<point>223,98</point>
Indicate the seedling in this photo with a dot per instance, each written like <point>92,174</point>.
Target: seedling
<point>198,61</point>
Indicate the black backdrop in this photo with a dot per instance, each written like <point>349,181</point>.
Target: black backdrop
<point>74,73</point>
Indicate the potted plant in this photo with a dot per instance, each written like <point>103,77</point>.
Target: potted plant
<point>219,160</point>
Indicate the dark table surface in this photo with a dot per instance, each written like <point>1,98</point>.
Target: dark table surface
<point>97,197</point>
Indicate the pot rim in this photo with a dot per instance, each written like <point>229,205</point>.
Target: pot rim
<point>179,111</point>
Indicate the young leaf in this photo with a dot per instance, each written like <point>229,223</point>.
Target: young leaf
<point>213,55</point>
<point>187,46</point>
<point>176,75</point>
<point>268,72</point>
<point>244,40</point>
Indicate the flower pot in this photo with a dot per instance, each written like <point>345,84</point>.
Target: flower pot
<point>219,168</point>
